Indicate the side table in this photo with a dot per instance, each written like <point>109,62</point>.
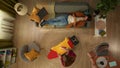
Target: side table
<point>100,27</point>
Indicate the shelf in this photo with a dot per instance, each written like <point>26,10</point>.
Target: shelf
<point>8,56</point>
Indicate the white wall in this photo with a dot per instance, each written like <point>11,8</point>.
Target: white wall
<point>5,20</point>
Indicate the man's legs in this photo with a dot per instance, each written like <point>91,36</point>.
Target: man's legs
<point>58,21</point>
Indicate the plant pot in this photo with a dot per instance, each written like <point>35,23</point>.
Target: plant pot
<point>97,12</point>
<point>102,16</point>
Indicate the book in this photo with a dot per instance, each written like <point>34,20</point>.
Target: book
<point>7,56</point>
<point>3,55</point>
<point>42,13</point>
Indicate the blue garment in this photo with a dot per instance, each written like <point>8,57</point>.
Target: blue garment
<point>60,21</point>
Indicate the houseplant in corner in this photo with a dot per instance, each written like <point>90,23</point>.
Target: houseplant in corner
<point>102,9</point>
<point>104,6</point>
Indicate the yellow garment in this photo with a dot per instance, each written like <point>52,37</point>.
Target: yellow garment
<point>58,48</point>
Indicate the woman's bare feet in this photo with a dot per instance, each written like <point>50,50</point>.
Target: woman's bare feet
<point>85,18</point>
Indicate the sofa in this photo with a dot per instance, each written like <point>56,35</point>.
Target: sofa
<point>69,7</point>
<point>61,8</point>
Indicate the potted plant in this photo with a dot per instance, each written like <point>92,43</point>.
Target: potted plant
<point>102,9</point>
<point>104,6</point>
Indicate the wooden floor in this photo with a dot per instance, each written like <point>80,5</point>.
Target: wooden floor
<point>26,32</point>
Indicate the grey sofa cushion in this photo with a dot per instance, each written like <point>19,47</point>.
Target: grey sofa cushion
<point>102,49</point>
<point>68,7</point>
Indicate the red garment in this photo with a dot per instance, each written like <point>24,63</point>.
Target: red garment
<point>52,54</point>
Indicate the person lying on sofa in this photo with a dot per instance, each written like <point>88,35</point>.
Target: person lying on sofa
<point>76,19</point>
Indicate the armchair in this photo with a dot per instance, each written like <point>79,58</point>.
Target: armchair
<point>101,59</point>
<point>38,14</point>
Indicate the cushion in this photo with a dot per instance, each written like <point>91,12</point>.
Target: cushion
<point>65,7</point>
<point>61,48</point>
<point>102,49</point>
<point>34,15</point>
<point>58,48</point>
<point>31,55</point>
